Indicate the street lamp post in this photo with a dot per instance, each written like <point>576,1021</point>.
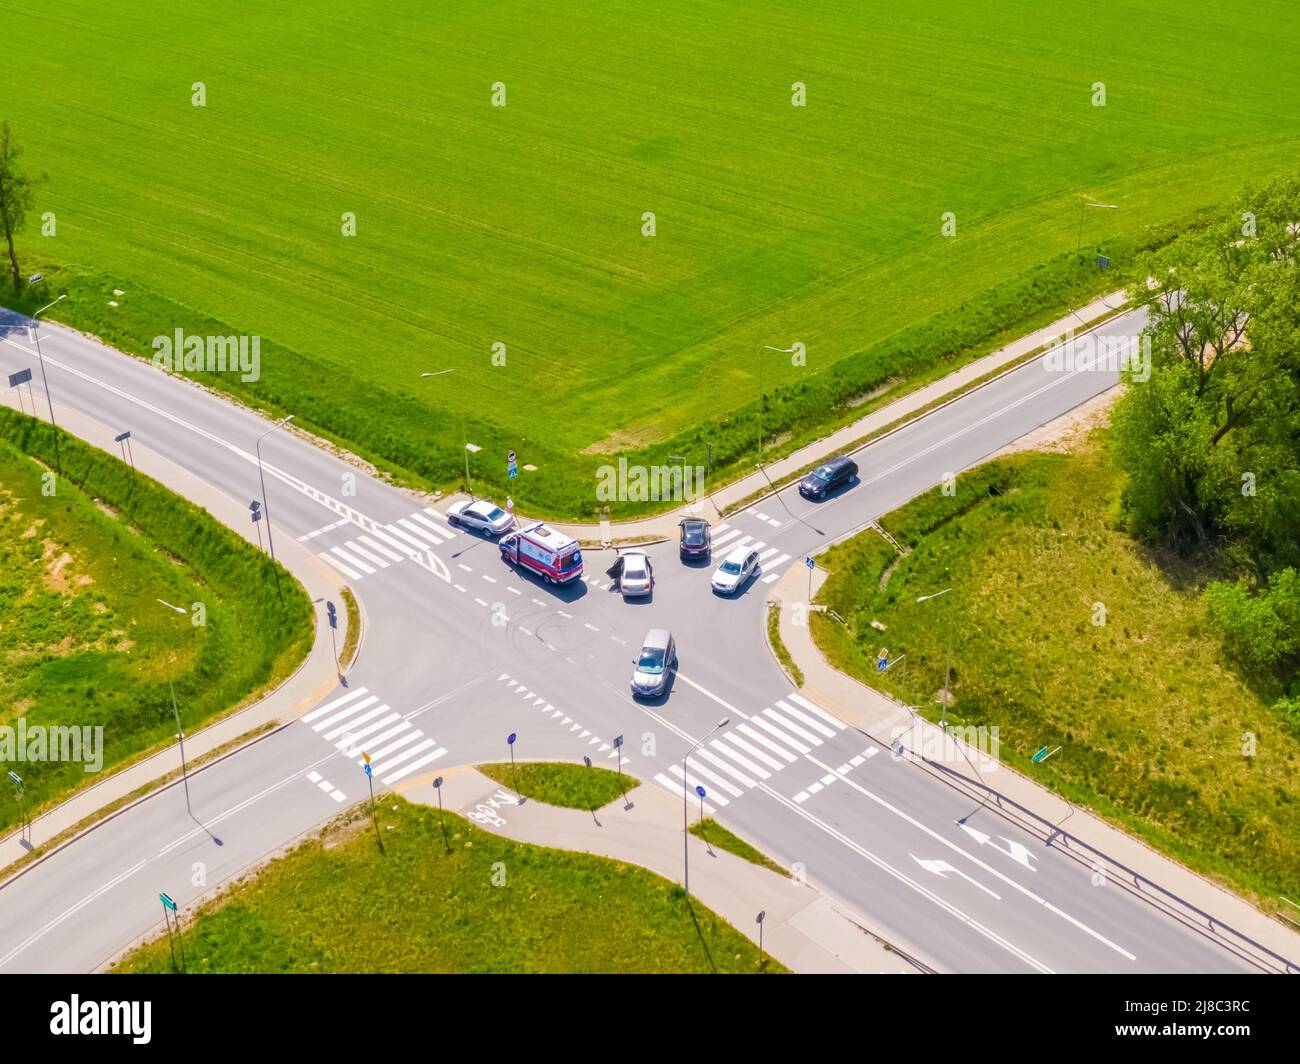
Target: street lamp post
<point>35,335</point>
<point>780,351</point>
<point>947,668</point>
<point>180,732</point>
<point>469,484</point>
<point>266,510</point>
<point>686,795</point>
<point>1082,207</point>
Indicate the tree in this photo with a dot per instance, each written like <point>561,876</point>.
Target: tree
<point>1210,442</point>
<point>16,193</point>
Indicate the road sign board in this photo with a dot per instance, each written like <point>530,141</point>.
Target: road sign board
<point>167,901</point>
<point>17,781</point>
<point>809,562</point>
<point>36,278</point>
<point>1041,755</point>
<point>122,436</point>
<point>618,740</point>
<point>700,791</point>
<point>512,465</point>
<point>882,660</point>
<point>366,756</point>
<point>21,377</point>
<point>369,770</point>
<point>510,739</point>
<point>332,614</point>
<point>437,781</point>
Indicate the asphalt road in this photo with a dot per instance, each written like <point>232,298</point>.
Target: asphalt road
<point>460,651</point>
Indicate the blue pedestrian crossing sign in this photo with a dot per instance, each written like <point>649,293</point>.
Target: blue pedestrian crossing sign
<point>512,465</point>
<point>809,562</point>
<point>882,660</point>
<point>700,792</point>
<point>369,770</point>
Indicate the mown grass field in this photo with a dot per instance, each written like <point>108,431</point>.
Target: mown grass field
<point>480,903</point>
<point>84,640</point>
<point>522,225</point>
<point>1151,722</point>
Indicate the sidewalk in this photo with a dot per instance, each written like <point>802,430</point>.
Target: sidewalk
<point>883,718</point>
<point>310,682</point>
<point>803,929</point>
<point>664,526</point>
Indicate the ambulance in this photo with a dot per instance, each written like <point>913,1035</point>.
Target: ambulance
<point>540,549</point>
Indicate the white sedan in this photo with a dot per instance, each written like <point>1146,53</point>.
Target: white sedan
<point>636,578</point>
<point>480,515</point>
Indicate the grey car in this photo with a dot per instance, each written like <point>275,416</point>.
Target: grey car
<point>480,515</point>
<point>655,664</point>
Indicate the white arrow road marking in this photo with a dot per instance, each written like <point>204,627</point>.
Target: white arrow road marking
<point>1016,851</point>
<point>942,868</point>
<point>987,868</point>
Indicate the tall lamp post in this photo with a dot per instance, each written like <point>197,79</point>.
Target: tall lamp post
<point>1082,207</point>
<point>180,732</point>
<point>686,796</point>
<point>266,510</point>
<point>469,484</point>
<point>780,351</point>
<point>35,334</point>
<point>947,669</point>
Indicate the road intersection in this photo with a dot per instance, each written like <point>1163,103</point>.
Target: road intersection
<point>461,651</point>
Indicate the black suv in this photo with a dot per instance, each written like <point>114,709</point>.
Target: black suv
<point>826,478</point>
<point>695,542</point>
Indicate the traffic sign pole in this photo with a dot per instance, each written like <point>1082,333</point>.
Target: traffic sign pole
<point>510,742</point>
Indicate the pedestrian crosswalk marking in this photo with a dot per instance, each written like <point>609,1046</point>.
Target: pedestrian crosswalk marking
<point>356,548</point>
<point>758,738</point>
<point>369,700</point>
<point>740,759</point>
<point>675,789</point>
<point>330,736</point>
<point>800,700</point>
<point>322,710</point>
<point>392,556</point>
<point>327,557</point>
<point>785,707</point>
<point>350,561</point>
<point>709,773</point>
<point>725,536</point>
<point>791,726</point>
<point>772,729</point>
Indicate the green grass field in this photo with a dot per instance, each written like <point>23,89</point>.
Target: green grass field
<point>1150,720</point>
<point>85,642</point>
<point>481,903</point>
<point>522,225</point>
<point>563,784</point>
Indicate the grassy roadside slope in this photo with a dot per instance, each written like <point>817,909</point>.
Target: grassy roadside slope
<point>1150,721</point>
<point>522,224</point>
<point>480,904</point>
<point>83,638</point>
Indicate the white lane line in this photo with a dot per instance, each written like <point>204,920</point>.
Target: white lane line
<point>357,548</point>
<point>692,782</point>
<point>725,749</point>
<point>983,865</point>
<point>405,755</point>
<point>338,796</point>
<point>369,700</point>
<point>481,602</point>
<point>384,751</point>
<point>489,579</point>
<point>348,725</point>
<point>348,559</point>
<point>323,529</point>
<point>379,548</point>
<point>591,626</point>
<point>441,531</point>
<point>325,557</point>
<point>707,773</point>
<point>383,737</point>
<point>92,896</point>
<point>789,740</point>
<point>724,766</point>
<point>833,721</point>
<point>754,751</point>
<point>351,738</point>
<point>569,616</point>
<point>462,565</point>
<point>675,789</point>
<point>791,726</point>
<point>513,590</point>
<point>415,764</point>
<point>812,722</point>
<point>709,694</point>
<point>314,777</point>
<point>458,587</point>
<point>426,538</point>
<point>775,747</point>
<point>322,710</point>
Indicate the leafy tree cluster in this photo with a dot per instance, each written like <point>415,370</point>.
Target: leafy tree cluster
<point>1209,441</point>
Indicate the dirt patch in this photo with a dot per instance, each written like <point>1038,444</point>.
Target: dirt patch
<point>55,577</point>
<point>1064,434</point>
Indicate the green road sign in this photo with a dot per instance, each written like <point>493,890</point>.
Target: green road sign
<point>167,901</point>
<point>1040,756</point>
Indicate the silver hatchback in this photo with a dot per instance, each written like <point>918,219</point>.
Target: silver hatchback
<point>654,666</point>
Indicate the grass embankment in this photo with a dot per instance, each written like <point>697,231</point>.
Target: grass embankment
<point>716,835</point>
<point>1064,631</point>
<point>844,253</point>
<point>563,784</point>
<point>779,648</point>
<point>338,904</point>
<point>84,640</point>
